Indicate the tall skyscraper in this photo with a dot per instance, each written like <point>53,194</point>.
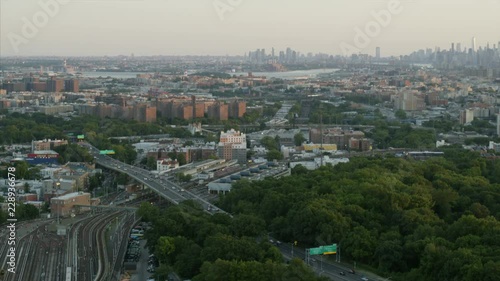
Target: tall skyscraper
<point>452,47</point>
<point>377,52</point>
<point>473,44</point>
<point>459,47</point>
<point>288,56</point>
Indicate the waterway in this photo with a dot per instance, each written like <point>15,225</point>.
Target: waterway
<point>289,75</point>
<point>112,74</point>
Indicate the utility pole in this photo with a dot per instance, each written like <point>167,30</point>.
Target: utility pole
<point>338,256</point>
<point>321,131</point>
<point>58,186</point>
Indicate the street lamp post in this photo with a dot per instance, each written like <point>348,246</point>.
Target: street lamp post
<point>58,209</point>
<point>338,253</point>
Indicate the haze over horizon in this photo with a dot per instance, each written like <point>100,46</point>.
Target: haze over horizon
<point>175,27</point>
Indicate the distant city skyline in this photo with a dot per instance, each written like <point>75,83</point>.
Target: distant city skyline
<point>222,27</point>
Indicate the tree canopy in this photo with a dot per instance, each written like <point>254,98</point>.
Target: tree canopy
<point>203,247</point>
<point>415,220</point>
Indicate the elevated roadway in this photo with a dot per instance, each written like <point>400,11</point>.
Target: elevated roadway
<point>159,184</point>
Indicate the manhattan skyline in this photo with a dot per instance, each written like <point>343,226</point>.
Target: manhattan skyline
<point>221,27</point>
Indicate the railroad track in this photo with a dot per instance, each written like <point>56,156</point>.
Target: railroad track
<point>85,248</point>
<point>120,254</point>
<point>107,257</point>
<point>45,256</point>
<point>40,257</point>
<point>92,253</point>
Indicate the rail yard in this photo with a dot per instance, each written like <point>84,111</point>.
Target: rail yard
<point>90,247</point>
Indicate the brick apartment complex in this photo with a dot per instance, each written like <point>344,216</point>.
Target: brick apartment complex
<point>344,139</point>
<point>138,112</point>
<point>72,85</point>
<point>53,84</point>
<point>218,111</point>
<point>191,154</point>
<point>47,144</point>
<point>237,109</point>
<point>188,109</point>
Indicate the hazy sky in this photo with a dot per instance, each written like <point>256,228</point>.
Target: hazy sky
<point>196,27</point>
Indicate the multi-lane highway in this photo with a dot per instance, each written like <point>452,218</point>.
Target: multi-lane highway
<point>176,194</point>
<point>159,183</point>
<point>323,266</point>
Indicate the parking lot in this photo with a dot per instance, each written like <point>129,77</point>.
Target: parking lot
<point>257,173</point>
<point>142,273</point>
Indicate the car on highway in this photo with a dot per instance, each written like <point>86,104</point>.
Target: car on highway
<point>364,279</point>
<point>351,271</point>
<point>342,273</point>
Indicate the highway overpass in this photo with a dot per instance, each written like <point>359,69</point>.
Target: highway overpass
<point>159,184</point>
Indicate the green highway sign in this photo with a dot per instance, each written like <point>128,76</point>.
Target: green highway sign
<point>80,137</point>
<point>330,250</point>
<point>107,152</point>
<point>315,251</point>
<point>324,250</point>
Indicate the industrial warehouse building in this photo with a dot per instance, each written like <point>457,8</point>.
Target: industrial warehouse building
<point>63,205</point>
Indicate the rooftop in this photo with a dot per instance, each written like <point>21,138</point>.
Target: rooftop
<point>71,195</point>
<point>44,152</point>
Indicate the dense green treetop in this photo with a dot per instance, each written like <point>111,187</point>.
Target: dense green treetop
<point>194,244</point>
<point>406,218</point>
<point>413,220</point>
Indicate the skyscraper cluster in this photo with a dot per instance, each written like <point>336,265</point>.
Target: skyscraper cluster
<point>288,56</point>
<point>459,55</point>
